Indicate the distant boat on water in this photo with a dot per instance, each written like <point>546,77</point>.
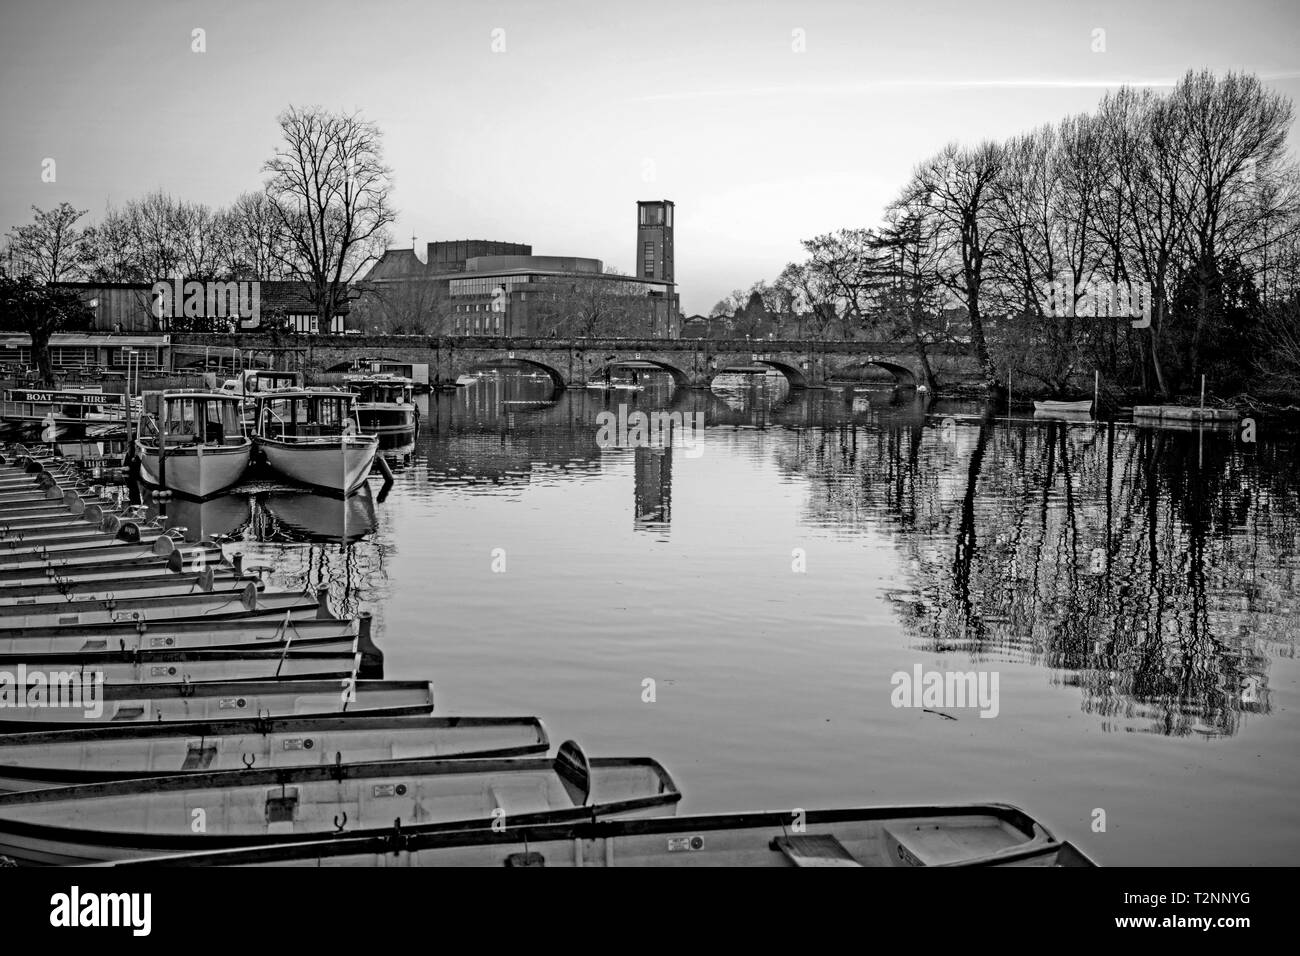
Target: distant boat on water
<point>1083,407</point>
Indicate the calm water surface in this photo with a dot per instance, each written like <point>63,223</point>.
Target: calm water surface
<point>1134,590</point>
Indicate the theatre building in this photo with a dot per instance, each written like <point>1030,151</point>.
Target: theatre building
<point>484,288</point>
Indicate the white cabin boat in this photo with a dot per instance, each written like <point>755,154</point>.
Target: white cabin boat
<point>385,406</point>
<point>311,436</point>
<point>197,446</point>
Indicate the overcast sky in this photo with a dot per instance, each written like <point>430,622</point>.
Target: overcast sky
<point>589,107</point>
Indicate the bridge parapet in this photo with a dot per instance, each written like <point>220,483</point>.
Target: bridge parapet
<point>574,362</point>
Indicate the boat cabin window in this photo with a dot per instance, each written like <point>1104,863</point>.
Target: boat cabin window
<point>305,416</point>
<point>202,420</point>
<point>379,393</point>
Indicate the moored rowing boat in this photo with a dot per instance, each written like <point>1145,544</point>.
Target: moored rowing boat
<point>97,754</point>
<point>136,818</point>
<point>968,835</point>
<point>87,704</point>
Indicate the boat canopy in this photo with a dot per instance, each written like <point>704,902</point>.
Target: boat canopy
<point>209,418</point>
<point>303,414</point>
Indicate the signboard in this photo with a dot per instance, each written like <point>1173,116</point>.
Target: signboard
<point>66,398</point>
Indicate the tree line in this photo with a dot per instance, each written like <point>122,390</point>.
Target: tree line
<point>1188,199</point>
<point>320,219</point>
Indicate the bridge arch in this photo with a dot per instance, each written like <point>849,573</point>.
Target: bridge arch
<point>597,372</point>
<point>793,374</point>
<point>526,364</point>
<point>904,377</point>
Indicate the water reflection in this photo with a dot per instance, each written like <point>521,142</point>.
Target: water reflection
<point>278,514</point>
<point>1147,568</point>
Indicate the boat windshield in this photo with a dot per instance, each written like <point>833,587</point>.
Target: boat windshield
<point>261,380</point>
<point>295,417</point>
<point>376,393</point>
<point>202,420</point>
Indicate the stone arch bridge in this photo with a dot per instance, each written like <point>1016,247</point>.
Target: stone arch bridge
<point>570,363</point>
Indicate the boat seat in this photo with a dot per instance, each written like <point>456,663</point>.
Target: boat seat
<point>819,850</point>
<point>932,846</point>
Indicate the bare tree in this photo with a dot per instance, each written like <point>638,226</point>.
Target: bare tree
<point>330,192</point>
<point>957,186</point>
<point>845,262</point>
<point>583,308</point>
<point>405,307</point>
<point>51,248</point>
<point>252,243</point>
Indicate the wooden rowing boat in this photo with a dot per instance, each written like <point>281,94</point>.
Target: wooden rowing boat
<point>216,603</point>
<point>152,566</point>
<point>164,666</point>
<point>136,818</point>
<point>212,700</point>
<point>163,546</point>
<point>258,632</point>
<point>97,754</point>
<point>968,835</point>
<point>60,590</point>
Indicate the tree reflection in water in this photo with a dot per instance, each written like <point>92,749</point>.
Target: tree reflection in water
<point>1149,568</point>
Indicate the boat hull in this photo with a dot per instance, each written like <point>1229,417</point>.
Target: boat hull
<point>1067,408</point>
<point>138,704</point>
<point>198,471</point>
<point>96,755</point>
<point>387,420</point>
<point>338,465</point>
<point>138,818</point>
<point>973,835</point>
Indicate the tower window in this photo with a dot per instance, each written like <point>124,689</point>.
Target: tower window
<point>649,267</point>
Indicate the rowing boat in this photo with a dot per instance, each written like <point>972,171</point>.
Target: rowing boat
<point>216,603</point>
<point>88,704</point>
<point>164,666</point>
<point>1068,408</point>
<point>97,754</point>
<point>953,836</point>
<point>60,590</point>
<point>162,546</point>
<point>137,818</point>
<point>262,631</point>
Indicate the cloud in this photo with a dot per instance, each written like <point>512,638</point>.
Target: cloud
<point>871,86</point>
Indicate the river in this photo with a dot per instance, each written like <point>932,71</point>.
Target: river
<point>745,605</point>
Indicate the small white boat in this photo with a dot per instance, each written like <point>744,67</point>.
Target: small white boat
<point>1069,408</point>
<point>959,836</point>
<point>384,405</point>
<point>467,379</point>
<point>96,754</point>
<point>311,436</point>
<point>196,446</point>
<point>125,819</point>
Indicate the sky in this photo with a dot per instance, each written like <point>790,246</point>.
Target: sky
<point>543,121</point>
